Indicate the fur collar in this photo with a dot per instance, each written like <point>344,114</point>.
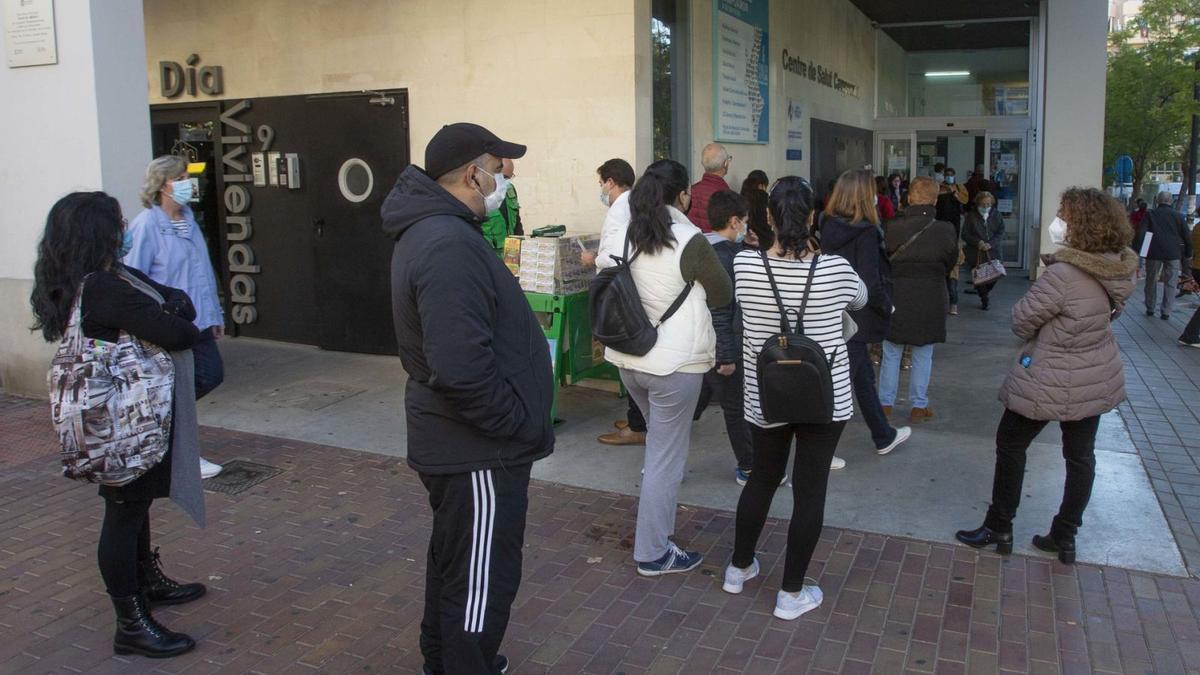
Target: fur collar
<point>1107,266</point>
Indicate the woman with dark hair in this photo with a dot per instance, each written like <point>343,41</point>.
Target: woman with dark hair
<point>851,230</point>
<point>756,180</point>
<point>84,240</point>
<point>758,233</point>
<point>793,259</point>
<point>1069,370</point>
<point>882,204</point>
<point>897,192</point>
<point>672,264</point>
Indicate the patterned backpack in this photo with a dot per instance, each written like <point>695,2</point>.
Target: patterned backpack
<point>110,402</point>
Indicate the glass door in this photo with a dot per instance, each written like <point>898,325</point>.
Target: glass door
<point>895,154</point>
<point>1005,170</point>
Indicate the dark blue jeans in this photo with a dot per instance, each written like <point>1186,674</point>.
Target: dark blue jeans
<point>210,369</point>
<point>862,377</point>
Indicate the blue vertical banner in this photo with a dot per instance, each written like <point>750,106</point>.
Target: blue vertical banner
<point>741,82</point>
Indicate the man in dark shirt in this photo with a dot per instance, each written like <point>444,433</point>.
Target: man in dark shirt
<point>1170,245</point>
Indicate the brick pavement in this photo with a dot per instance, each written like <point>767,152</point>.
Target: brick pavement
<point>320,569</point>
<point>1163,415</point>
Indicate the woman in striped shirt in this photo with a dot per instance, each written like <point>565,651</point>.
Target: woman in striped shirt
<point>835,288</point>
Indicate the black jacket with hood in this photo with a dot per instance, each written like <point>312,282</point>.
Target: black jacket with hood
<point>862,245</point>
<point>480,381</point>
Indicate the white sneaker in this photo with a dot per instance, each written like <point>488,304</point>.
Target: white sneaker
<point>208,469</point>
<point>837,463</point>
<point>736,577</point>
<point>790,606</point>
<point>902,434</point>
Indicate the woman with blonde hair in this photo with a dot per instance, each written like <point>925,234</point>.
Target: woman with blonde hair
<point>983,230</point>
<point>1069,370</point>
<point>851,230</point>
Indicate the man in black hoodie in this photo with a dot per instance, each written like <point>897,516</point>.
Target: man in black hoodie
<point>478,396</point>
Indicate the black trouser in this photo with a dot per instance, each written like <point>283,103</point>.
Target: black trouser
<point>862,377</point>
<point>815,444</point>
<point>984,290</point>
<point>728,390</point>
<point>210,368</point>
<point>473,568</point>
<point>637,421</point>
<point>124,542</point>
<point>1013,437</point>
<point>1191,332</point>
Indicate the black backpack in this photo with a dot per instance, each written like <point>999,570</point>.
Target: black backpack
<point>618,319</point>
<point>795,380</point>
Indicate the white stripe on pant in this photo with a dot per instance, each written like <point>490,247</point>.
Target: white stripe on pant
<point>481,548</point>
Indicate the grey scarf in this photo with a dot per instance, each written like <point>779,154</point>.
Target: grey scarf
<point>186,489</point>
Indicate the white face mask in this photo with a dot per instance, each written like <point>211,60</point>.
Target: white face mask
<point>492,202</point>
<point>1058,231</point>
<point>604,198</point>
<point>939,177</point>
<point>985,211</point>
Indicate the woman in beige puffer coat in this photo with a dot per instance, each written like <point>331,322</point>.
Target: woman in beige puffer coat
<point>1069,369</point>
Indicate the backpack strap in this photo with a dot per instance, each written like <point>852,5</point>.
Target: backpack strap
<point>783,311</point>
<point>812,272</point>
<point>626,260</point>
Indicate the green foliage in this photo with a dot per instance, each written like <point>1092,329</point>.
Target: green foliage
<point>1149,99</point>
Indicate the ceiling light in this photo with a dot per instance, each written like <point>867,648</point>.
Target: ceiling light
<point>948,73</point>
<point>954,25</point>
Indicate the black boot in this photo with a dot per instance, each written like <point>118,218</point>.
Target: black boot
<point>139,633</point>
<point>984,536</point>
<point>1065,548</point>
<point>161,589</point>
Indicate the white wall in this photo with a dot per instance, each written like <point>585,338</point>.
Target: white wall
<point>831,33</point>
<point>893,77</point>
<point>81,124</point>
<point>1072,132</point>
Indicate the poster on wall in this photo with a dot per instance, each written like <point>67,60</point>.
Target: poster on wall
<point>29,33</point>
<point>741,106</point>
<point>795,131</point>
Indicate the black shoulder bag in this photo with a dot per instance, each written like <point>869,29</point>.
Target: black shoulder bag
<point>619,320</point>
<point>795,379</point>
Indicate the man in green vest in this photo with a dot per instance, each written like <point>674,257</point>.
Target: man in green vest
<point>506,220</point>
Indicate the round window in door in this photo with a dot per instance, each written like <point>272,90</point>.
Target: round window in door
<point>355,180</point>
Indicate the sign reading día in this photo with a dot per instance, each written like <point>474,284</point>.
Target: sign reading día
<point>174,78</point>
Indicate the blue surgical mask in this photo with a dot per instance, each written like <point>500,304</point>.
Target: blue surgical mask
<point>182,191</point>
<point>126,243</point>
<point>741,235</point>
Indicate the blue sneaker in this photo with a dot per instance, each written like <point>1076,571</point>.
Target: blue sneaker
<point>674,560</point>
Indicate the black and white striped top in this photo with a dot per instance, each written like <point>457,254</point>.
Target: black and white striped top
<point>836,287</point>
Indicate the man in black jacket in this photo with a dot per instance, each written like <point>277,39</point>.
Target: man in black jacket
<point>478,395</point>
<point>1170,245</point>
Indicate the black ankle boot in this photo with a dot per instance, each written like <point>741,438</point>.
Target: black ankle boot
<point>160,589</point>
<point>139,633</point>
<point>985,536</point>
<point>1063,546</point>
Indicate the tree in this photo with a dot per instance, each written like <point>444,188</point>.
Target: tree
<point>1149,102</point>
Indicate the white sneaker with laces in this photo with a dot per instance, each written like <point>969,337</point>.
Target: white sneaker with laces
<point>902,434</point>
<point>837,463</point>
<point>736,577</point>
<point>790,606</point>
<point>208,469</point>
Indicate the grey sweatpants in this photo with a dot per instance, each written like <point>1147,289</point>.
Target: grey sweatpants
<point>1165,272</point>
<point>668,402</point>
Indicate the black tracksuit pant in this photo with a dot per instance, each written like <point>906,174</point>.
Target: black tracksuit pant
<point>473,569</point>
<point>1013,437</point>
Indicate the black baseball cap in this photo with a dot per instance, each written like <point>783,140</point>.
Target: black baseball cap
<point>456,144</point>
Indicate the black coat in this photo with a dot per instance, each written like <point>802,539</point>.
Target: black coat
<point>480,381</point>
<point>976,231</point>
<point>727,320</point>
<point>1171,240</point>
<point>919,276</point>
<point>862,245</point>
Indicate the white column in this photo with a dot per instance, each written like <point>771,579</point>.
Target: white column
<point>1072,131</point>
<point>81,124</point>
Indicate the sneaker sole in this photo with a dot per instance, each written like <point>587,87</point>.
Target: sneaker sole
<point>895,444</point>
<point>790,616</point>
<point>1193,345</point>
<point>673,570</point>
<point>211,475</point>
<point>737,588</point>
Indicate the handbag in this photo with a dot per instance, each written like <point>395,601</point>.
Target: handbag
<point>987,271</point>
<point>110,402</point>
<point>618,318</point>
<point>795,378</point>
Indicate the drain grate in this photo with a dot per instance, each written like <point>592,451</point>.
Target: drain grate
<point>240,475</point>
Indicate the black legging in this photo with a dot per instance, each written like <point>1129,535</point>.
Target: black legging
<point>124,541</point>
<point>815,444</point>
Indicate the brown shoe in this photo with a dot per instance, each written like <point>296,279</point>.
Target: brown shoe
<point>621,424</point>
<point>887,410</point>
<point>625,436</point>
<point>919,415</point>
